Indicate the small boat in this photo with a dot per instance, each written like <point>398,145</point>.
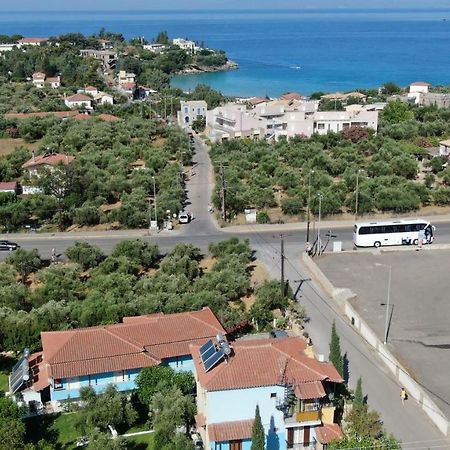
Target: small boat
<point>296,67</point>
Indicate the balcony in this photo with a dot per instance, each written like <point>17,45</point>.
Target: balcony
<point>303,417</point>
<point>308,416</point>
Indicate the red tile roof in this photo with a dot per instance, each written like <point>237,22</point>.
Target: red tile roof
<point>31,40</point>
<point>108,118</point>
<point>61,114</point>
<point>310,391</point>
<point>257,100</point>
<point>229,431</point>
<point>138,342</point>
<point>38,76</point>
<point>265,362</point>
<point>48,159</point>
<point>127,85</point>
<point>292,96</point>
<point>8,185</point>
<point>79,98</point>
<point>328,432</point>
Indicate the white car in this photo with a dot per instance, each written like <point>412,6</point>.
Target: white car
<point>184,217</point>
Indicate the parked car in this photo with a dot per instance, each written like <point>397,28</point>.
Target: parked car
<point>8,246</point>
<point>184,217</point>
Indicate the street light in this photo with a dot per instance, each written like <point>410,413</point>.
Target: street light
<point>388,300</point>
<point>308,220</point>
<point>154,196</point>
<point>320,196</point>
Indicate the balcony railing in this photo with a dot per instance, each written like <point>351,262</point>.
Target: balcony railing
<point>308,416</point>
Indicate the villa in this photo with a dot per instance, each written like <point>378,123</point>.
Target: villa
<point>40,80</point>
<point>291,387</point>
<point>110,354</point>
<point>190,111</point>
<point>78,101</point>
<point>287,118</point>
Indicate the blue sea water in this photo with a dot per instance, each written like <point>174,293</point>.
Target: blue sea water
<point>279,51</point>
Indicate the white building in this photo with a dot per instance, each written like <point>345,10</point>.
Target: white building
<point>40,80</point>
<point>155,48</point>
<point>103,98</point>
<point>444,148</point>
<point>126,77</point>
<point>32,41</point>
<point>190,111</point>
<point>232,121</point>
<point>184,44</point>
<point>78,101</point>
<point>416,91</point>
<point>7,47</point>
<point>273,120</point>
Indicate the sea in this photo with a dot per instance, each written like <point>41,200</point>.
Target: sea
<point>281,50</point>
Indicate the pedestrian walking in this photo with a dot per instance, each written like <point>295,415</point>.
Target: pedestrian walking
<point>53,255</point>
<point>403,395</point>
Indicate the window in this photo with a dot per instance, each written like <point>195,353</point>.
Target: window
<point>186,110</point>
<point>321,126</point>
<point>273,395</point>
<point>58,384</point>
<point>345,125</point>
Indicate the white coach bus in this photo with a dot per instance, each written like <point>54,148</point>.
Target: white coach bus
<point>394,232</point>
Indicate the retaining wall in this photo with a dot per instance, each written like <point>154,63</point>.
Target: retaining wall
<point>342,297</point>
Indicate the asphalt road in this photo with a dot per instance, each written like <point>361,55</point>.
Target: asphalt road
<point>408,423</point>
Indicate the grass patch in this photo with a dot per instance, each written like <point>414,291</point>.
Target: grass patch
<point>143,442</point>
<point>8,145</point>
<point>6,364</point>
<point>57,429</point>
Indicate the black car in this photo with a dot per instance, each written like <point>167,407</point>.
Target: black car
<point>9,246</point>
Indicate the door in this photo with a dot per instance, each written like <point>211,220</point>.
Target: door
<point>306,436</point>
<point>236,445</point>
<point>290,437</point>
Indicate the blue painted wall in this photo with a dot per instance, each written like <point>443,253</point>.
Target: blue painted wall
<point>71,387</point>
<point>240,404</point>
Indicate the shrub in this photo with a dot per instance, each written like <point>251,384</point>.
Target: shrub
<point>292,205</point>
<point>86,255</point>
<point>262,217</point>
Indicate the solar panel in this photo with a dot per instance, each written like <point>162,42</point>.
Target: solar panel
<point>19,374</point>
<point>207,350</point>
<point>213,360</point>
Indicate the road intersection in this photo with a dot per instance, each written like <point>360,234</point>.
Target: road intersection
<point>408,423</point>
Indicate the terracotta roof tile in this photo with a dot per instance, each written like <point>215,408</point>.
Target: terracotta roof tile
<point>8,185</point>
<point>229,431</point>
<point>51,160</point>
<point>328,432</point>
<point>79,98</point>
<point>264,363</point>
<point>292,96</point>
<point>138,342</point>
<point>309,391</point>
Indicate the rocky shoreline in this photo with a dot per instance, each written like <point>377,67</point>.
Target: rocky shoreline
<point>194,69</point>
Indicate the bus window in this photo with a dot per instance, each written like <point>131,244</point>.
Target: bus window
<point>364,230</point>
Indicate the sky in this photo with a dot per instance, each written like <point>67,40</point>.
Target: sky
<point>117,5</point>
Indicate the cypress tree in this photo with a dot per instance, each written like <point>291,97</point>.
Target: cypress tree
<point>335,351</point>
<point>358,400</point>
<point>258,435</point>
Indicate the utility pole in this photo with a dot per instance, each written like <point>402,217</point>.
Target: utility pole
<point>308,220</point>
<point>357,195</point>
<point>154,196</point>
<point>222,176</point>
<point>283,286</point>
<point>149,215</point>
<point>319,243</point>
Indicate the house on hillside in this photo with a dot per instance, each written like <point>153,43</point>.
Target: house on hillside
<point>291,387</point>
<point>8,47</point>
<point>78,101</point>
<point>47,161</point>
<point>40,80</point>
<point>102,98</point>
<point>89,90</point>
<point>107,58</point>
<point>105,44</point>
<point>190,111</point>
<point>417,90</point>
<point>126,77</point>
<point>155,48</point>
<point>31,41</point>
<point>9,187</point>
<point>72,359</point>
<point>184,44</point>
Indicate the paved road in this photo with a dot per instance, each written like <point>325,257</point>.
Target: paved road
<point>408,423</point>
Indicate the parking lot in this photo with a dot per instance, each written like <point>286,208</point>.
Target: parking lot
<point>419,313</point>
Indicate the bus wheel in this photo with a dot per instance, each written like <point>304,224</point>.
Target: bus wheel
<point>377,244</point>
<point>416,242</point>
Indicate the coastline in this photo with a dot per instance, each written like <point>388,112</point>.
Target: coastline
<point>195,69</point>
